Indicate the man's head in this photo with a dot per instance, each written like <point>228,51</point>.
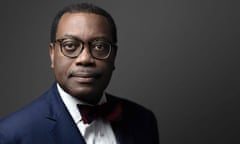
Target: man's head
<point>83,50</point>
<point>85,8</point>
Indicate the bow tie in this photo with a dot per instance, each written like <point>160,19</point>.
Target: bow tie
<point>108,111</point>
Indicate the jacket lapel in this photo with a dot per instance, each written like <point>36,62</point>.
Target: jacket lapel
<point>123,136</point>
<point>62,127</point>
<point>122,128</point>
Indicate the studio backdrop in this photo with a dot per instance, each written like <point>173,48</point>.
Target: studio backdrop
<point>179,58</point>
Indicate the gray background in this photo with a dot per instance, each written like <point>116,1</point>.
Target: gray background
<point>179,58</point>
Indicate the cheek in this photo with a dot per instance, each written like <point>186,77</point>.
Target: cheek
<point>106,65</point>
<point>61,67</point>
<point>107,68</point>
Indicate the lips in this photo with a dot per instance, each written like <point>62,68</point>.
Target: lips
<point>85,77</point>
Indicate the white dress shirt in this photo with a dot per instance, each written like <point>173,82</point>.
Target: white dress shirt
<point>99,131</point>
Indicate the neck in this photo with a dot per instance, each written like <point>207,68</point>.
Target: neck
<point>93,99</point>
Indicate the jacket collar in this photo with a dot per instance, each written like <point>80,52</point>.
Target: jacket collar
<point>63,129</point>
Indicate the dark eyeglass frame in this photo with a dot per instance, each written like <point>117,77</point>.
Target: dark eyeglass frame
<point>111,46</point>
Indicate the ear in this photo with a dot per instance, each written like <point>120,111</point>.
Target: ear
<point>51,52</point>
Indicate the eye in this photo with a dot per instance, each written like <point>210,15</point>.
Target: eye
<point>100,46</point>
<point>70,45</point>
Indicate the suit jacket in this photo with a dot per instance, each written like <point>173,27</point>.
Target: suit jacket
<point>47,121</point>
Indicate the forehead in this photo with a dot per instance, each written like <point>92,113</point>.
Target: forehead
<point>84,25</point>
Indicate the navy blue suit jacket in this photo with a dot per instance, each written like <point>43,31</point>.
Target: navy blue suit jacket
<point>47,121</point>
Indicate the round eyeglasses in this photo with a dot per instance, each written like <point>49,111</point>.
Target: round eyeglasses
<point>72,47</point>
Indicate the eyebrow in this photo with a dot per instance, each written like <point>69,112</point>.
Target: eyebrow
<point>71,37</point>
<point>92,39</point>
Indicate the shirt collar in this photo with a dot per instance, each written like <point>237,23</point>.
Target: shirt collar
<point>71,103</point>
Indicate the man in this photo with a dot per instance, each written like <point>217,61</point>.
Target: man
<point>77,110</point>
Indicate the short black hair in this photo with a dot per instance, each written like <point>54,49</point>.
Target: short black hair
<point>87,8</point>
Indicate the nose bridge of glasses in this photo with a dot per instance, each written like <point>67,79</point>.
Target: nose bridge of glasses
<point>85,51</point>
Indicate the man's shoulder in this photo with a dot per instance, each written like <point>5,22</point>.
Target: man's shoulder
<point>27,115</point>
<point>27,119</point>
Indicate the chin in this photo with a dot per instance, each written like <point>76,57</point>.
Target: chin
<point>86,93</point>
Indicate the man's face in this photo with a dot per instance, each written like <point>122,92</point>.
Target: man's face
<point>84,76</point>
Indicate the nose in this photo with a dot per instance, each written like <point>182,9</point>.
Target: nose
<point>85,58</point>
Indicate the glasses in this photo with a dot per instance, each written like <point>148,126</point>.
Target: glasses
<point>72,47</point>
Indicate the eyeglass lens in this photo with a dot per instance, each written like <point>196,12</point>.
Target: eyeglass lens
<point>99,49</point>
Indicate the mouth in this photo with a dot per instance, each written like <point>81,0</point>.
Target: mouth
<point>85,78</point>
